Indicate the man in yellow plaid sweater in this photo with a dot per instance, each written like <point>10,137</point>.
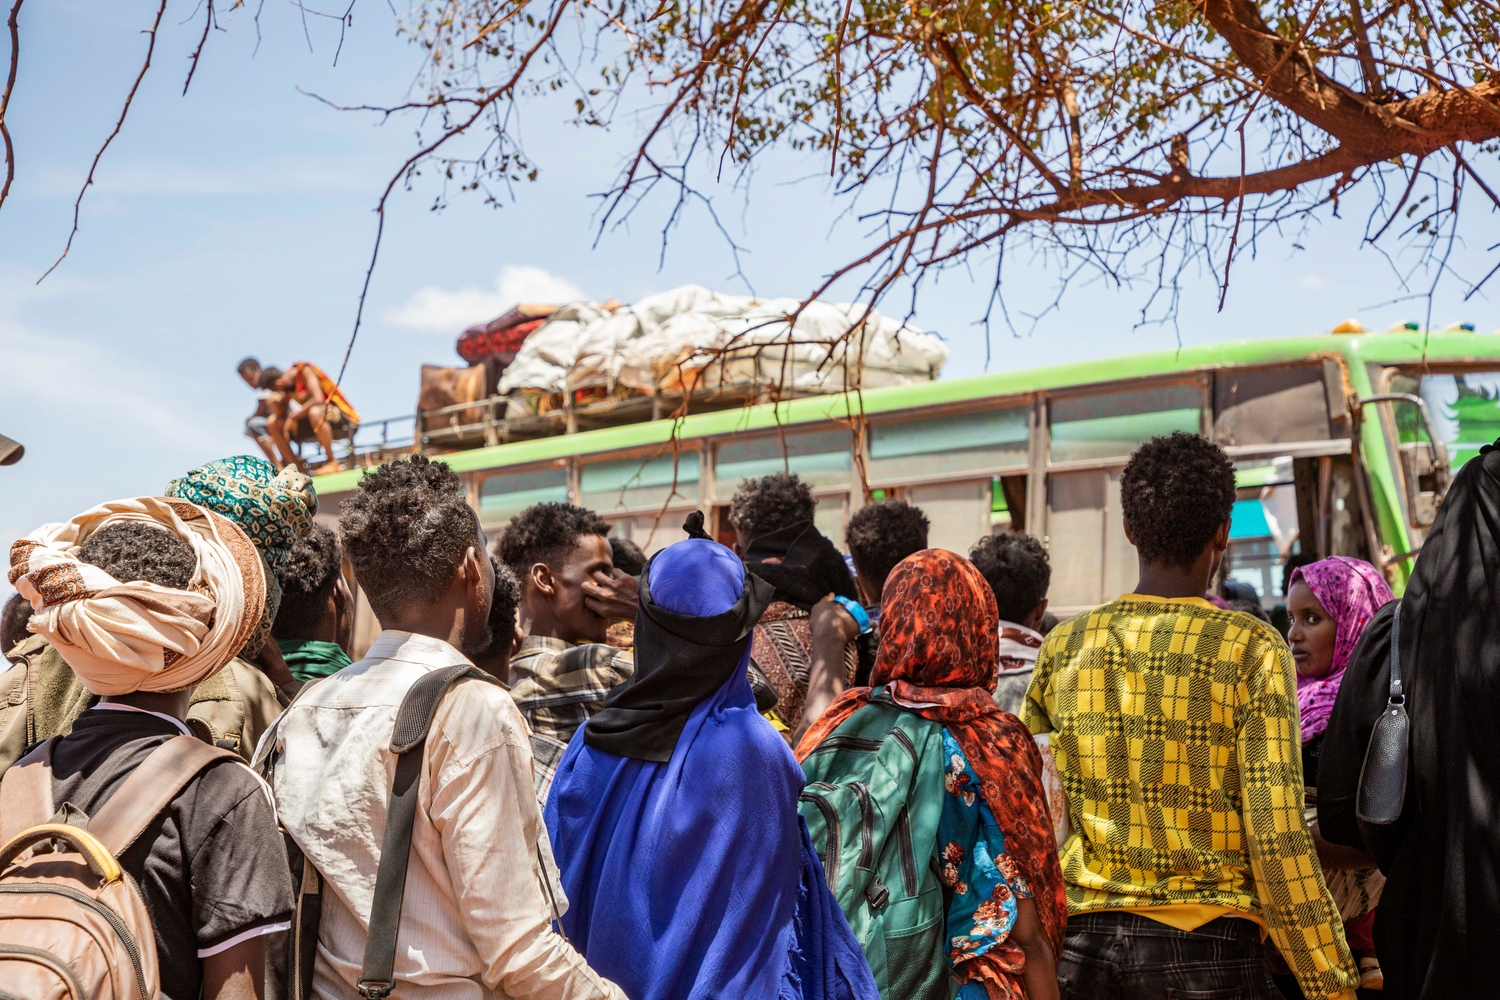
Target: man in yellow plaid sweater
<point>1174,725</point>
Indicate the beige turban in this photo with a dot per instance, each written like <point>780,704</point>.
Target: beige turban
<point>121,637</point>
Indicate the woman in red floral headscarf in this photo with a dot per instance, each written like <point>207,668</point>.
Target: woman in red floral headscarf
<point>938,658</point>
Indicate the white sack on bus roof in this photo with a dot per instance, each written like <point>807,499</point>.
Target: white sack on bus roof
<point>665,341</point>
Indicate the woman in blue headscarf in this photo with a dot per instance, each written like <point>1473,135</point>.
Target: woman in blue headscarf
<point>673,815</point>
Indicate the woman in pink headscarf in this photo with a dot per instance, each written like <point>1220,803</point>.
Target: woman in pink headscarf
<point>1330,602</point>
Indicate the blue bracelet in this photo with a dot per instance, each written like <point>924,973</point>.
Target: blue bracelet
<point>861,616</point>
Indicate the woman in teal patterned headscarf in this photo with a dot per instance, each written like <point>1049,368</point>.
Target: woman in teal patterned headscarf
<point>274,508</point>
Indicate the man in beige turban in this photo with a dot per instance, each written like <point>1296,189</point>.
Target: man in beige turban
<point>124,636</point>
<point>41,695</point>
<point>144,599</point>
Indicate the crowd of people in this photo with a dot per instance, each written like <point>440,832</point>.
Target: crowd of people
<point>566,770</point>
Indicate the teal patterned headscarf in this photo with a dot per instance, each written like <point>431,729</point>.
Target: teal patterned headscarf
<point>274,508</point>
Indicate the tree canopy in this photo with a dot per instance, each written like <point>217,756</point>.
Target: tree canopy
<point>1128,136</point>
<point>1119,134</point>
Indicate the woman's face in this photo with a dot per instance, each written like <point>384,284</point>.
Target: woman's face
<point>1313,632</point>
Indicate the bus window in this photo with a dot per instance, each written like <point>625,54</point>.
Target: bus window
<point>1464,408</point>
<point>1265,525</point>
<point>935,446</point>
<point>503,496</point>
<point>1008,504</point>
<point>1271,405</point>
<point>1114,424</point>
<point>831,518</point>
<point>652,532</point>
<point>958,514</point>
<point>1075,538</point>
<point>1122,568</point>
<point>821,458</point>
<point>645,481</point>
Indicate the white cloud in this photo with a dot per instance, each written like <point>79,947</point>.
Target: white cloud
<point>441,311</point>
<point>1312,282</point>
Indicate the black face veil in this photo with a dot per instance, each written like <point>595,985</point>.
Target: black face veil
<point>679,661</point>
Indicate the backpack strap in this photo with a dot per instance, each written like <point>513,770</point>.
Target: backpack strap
<point>26,793</point>
<point>154,783</point>
<point>377,977</point>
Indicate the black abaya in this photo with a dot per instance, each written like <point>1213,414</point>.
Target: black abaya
<point>1438,926</point>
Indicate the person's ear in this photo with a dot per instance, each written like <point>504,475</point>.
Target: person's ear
<point>1128,536</point>
<point>542,579</point>
<point>473,576</point>
<point>1221,537</point>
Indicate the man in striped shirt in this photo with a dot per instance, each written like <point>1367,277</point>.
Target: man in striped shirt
<point>570,592</point>
<point>1174,726</point>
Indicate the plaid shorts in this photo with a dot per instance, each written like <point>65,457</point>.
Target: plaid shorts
<point>1125,956</point>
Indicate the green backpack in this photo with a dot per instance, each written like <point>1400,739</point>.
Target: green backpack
<point>872,802</point>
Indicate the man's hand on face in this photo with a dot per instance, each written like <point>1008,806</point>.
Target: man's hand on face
<point>613,596</point>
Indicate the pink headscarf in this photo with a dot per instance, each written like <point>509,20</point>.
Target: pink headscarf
<point>1351,591</point>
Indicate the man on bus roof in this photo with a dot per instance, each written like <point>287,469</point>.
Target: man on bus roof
<point>301,401</point>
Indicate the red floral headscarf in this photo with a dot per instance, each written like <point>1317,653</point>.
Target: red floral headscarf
<point>939,657</point>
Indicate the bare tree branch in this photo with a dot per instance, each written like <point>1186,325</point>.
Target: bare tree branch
<point>119,123</point>
<point>10,86</point>
<point>208,23</point>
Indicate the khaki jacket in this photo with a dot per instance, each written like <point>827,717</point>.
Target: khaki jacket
<point>40,697</point>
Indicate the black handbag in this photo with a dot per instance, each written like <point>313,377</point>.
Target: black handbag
<point>1382,778</point>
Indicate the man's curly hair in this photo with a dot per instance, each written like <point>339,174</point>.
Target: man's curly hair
<point>627,556</point>
<point>13,621</point>
<point>1176,491</point>
<point>546,533</point>
<point>881,535</point>
<point>312,567</point>
<point>1017,569</point>
<point>135,550</point>
<point>406,530</point>
<point>503,608</point>
<point>770,503</point>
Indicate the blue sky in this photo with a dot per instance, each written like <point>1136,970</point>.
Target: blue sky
<point>237,220</point>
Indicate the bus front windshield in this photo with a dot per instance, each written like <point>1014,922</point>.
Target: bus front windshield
<point>1464,408</point>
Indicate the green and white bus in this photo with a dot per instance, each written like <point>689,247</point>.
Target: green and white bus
<point>1343,445</point>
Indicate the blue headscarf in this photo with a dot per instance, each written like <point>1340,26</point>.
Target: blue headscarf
<point>694,877</point>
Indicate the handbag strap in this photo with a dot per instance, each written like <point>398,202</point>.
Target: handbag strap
<point>1398,693</point>
<point>377,975</point>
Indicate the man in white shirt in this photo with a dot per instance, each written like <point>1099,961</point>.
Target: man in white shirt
<point>481,888</point>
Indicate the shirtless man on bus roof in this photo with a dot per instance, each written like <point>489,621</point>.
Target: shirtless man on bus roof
<point>318,401</point>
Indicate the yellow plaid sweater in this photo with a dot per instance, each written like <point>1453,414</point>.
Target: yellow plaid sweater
<point>1174,726</point>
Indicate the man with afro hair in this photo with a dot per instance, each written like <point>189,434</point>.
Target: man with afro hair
<point>1175,730</point>
<point>879,536</point>
<point>805,644</point>
<point>314,626</point>
<point>570,592</point>
<point>480,886</point>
